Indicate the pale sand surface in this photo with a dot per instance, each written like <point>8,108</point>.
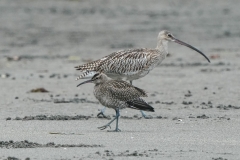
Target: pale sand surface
<point>51,37</point>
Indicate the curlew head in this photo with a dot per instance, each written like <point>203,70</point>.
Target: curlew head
<point>167,36</point>
<point>96,79</point>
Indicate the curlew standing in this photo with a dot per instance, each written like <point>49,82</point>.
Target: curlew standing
<point>117,94</point>
<point>133,64</point>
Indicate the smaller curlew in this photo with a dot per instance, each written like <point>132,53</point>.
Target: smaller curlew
<point>117,94</point>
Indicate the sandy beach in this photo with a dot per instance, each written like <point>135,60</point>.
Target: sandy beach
<point>197,104</point>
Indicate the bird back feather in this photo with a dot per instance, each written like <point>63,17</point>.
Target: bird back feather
<point>140,104</point>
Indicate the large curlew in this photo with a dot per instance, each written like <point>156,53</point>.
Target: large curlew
<point>117,94</point>
<point>133,64</point>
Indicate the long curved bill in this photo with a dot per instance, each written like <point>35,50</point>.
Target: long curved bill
<point>88,81</point>
<point>187,45</point>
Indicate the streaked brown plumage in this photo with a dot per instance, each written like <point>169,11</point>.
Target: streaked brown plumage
<point>118,94</point>
<point>133,63</point>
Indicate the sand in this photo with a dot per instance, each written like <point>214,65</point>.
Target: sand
<point>196,104</point>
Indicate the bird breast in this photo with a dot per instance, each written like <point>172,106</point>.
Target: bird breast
<point>106,98</point>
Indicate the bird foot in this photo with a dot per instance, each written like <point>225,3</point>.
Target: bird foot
<point>104,127</point>
<point>116,130</point>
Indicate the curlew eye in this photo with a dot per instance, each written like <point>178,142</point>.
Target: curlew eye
<point>169,35</point>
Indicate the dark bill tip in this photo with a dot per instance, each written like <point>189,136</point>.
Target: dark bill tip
<point>189,46</point>
<point>88,81</point>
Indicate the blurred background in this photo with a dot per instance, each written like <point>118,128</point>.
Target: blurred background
<point>86,27</point>
<point>47,38</point>
<point>195,102</point>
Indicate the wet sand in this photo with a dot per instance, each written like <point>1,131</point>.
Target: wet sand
<point>196,103</point>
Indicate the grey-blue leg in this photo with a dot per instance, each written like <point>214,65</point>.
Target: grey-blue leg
<point>108,124</point>
<point>117,116</point>
<point>131,82</point>
<point>102,112</point>
<point>145,116</point>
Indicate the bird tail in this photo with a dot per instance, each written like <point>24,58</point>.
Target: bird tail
<point>140,104</point>
<point>86,74</point>
<point>91,66</point>
<point>88,69</point>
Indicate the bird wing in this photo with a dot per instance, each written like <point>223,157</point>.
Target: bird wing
<point>123,91</point>
<point>129,61</point>
<point>140,104</point>
<point>92,66</point>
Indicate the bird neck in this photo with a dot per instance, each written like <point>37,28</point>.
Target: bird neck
<point>99,83</point>
<point>103,79</point>
<point>162,46</point>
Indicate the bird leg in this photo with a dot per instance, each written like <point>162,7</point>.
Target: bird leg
<point>108,124</point>
<point>131,82</point>
<point>145,116</point>
<point>102,113</point>
<point>117,116</point>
